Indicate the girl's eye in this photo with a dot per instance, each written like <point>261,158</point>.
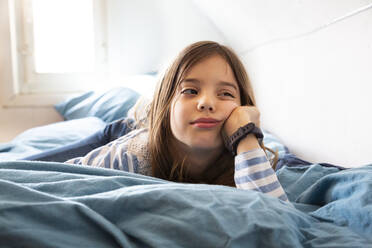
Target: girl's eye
<point>189,91</point>
<point>227,94</point>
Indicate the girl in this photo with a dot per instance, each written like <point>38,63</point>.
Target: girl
<point>193,133</point>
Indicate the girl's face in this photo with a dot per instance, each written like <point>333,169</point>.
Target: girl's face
<point>204,100</point>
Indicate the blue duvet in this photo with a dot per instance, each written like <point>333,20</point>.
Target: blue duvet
<point>44,204</point>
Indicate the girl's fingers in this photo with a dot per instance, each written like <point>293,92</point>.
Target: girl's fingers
<point>240,116</point>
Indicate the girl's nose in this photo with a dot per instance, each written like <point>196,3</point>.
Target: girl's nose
<point>206,104</point>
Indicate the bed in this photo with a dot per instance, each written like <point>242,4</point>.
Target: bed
<point>52,204</point>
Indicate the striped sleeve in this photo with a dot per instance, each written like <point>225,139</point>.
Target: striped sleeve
<point>109,159</point>
<point>253,171</point>
<point>114,155</point>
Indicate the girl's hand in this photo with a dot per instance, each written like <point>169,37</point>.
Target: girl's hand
<point>239,117</point>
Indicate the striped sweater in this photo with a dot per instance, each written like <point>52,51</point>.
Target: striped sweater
<point>253,171</point>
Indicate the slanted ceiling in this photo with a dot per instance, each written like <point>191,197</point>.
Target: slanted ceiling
<point>247,25</point>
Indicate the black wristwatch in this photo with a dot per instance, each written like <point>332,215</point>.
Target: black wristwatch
<point>241,133</point>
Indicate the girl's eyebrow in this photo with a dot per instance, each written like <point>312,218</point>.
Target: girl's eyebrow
<point>194,80</point>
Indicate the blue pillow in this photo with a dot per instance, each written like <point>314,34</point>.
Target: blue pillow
<point>43,138</point>
<point>273,142</point>
<point>109,106</point>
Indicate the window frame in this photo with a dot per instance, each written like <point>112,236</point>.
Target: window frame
<point>20,85</point>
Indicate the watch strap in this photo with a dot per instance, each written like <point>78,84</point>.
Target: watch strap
<point>241,133</point>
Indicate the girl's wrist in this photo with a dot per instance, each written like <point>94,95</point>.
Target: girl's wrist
<point>234,127</point>
<point>248,143</point>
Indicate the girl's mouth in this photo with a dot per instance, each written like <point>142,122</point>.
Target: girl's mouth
<point>205,122</point>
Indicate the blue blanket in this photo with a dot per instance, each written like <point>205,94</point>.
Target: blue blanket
<point>45,204</point>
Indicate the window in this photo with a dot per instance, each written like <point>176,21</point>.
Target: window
<point>61,45</point>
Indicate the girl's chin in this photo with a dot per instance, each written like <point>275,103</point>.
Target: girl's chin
<point>206,146</point>
<point>201,144</point>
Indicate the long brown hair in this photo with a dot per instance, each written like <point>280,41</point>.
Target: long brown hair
<point>163,164</point>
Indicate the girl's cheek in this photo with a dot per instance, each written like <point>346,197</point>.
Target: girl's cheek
<point>232,106</point>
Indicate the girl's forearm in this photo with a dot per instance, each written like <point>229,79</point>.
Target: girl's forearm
<point>253,170</point>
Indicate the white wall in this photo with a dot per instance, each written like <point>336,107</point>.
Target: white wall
<point>310,70</point>
<point>143,35</point>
